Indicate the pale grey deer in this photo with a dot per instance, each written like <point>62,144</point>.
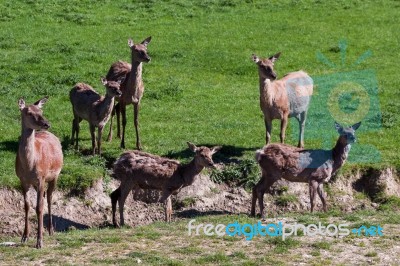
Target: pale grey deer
<point>280,99</point>
<point>314,167</point>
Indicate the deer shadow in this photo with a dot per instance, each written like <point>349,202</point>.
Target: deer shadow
<point>62,224</point>
<point>227,153</point>
<point>9,145</point>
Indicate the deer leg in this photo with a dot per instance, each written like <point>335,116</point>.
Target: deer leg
<point>118,112</point>
<point>253,201</point>
<point>123,112</point>
<point>75,131</point>
<point>99,136</point>
<point>136,108</point>
<point>166,198</point>
<point>322,196</point>
<point>115,195</point>
<point>109,137</point>
<point>302,123</point>
<point>168,211</point>
<point>39,213</point>
<point>313,187</point>
<point>50,190</point>
<point>25,236</point>
<point>93,137</point>
<point>268,129</point>
<point>121,202</point>
<point>284,123</point>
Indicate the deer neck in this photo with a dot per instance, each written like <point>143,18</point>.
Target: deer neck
<point>106,106</point>
<point>26,148</point>
<point>340,153</point>
<point>135,80</point>
<point>266,93</point>
<point>190,172</point>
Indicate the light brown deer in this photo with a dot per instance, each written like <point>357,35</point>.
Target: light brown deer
<point>137,169</point>
<point>132,89</point>
<point>314,167</point>
<point>39,161</point>
<point>89,105</point>
<point>280,99</point>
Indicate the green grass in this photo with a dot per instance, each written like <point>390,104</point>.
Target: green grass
<point>201,85</point>
<point>169,244</point>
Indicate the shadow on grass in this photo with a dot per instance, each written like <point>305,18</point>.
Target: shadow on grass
<point>61,224</point>
<point>226,155</point>
<point>195,213</point>
<point>9,145</point>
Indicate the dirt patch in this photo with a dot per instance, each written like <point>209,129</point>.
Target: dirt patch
<point>93,209</point>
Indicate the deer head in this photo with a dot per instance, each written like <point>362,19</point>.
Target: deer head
<point>349,133</point>
<point>266,66</point>
<point>32,115</point>
<point>113,87</point>
<point>203,156</point>
<point>139,51</point>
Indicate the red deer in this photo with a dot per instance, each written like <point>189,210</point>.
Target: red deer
<point>39,161</point>
<point>132,89</point>
<point>137,169</point>
<point>314,167</point>
<point>89,105</point>
<point>280,99</point>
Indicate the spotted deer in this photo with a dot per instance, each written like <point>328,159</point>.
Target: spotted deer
<point>136,169</point>
<point>39,161</point>
<point>132,89</point>
<point>314,167</point>
<point>283,98</point>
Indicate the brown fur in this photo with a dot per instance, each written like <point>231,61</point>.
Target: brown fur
<point>314,167</point>
<point>132,89</point>
<point>39,160</point>
<point>274,100</point>
<point>137,169</point>
<point>87,104</point>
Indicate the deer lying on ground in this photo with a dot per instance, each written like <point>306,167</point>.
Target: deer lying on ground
<point>132,89</point>
<point>137,169</point>
<point>314,167</point>
<point>39,161</point>
<point>89,105</point>
<point>280,99</point>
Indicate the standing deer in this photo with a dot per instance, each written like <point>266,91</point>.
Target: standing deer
<point>89,105</point>
<point>137,169</point>
<point>284,98</point>
<point>314,167</point>
<point>39,161</point>
<point>132,89</point>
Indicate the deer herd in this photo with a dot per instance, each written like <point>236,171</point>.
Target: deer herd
<point>40,158</point>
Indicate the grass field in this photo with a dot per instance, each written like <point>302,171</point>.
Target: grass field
<point>201,85</point>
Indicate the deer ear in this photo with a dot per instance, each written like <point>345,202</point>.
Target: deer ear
<point>41,102</point>
<point>146,41</point>
<point>255,58</point>
<point>104,81</point>
<point>338,127</point>
<point>215,149</point>
<point>275,57</point>
<point>130,42</point>
<point>21,103</point>
<point>356,126</point>
<point>192,147</point>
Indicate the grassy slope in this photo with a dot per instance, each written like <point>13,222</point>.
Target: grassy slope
<point>201,84</point>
